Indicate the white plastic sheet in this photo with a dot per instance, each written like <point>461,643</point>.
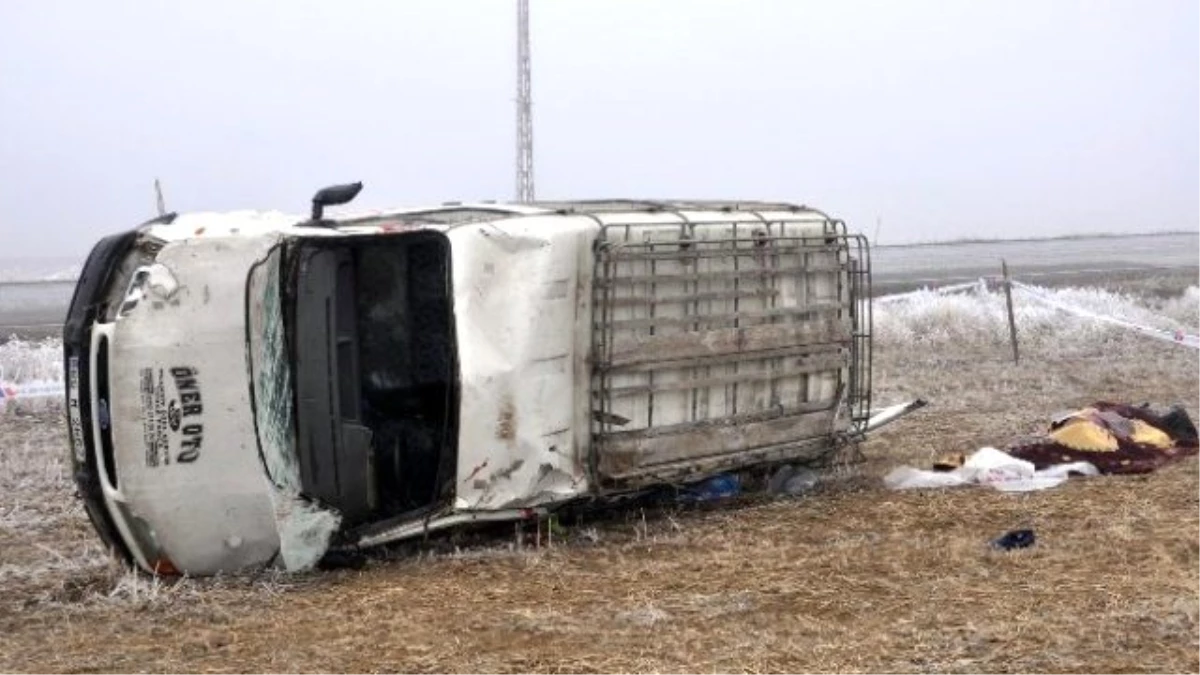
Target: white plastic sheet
<point>991,467</point>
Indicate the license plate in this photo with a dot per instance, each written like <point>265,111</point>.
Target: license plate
<point>74,418</point>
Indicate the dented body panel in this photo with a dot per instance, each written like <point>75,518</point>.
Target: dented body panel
<point>597,349</point>
<point>521,308</point>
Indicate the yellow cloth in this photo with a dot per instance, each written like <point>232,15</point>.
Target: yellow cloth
<point>1145,434</point>
<point>1083,434</point>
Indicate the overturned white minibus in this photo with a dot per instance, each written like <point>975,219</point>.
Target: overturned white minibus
<point>257,389</point>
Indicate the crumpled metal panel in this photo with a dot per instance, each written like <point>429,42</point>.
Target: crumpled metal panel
<point>522,307</point>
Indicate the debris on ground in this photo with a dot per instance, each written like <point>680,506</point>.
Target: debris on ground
<point>1115,438</point>
<point>792,480</point>
<point>721,486</point>
<point>991,467</point>
<point>1015,539</point>
<point>1104,438</point>
<point>879,418</point>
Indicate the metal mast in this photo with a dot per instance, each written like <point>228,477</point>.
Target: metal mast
<point>158,198</point>
<point>524,107</point>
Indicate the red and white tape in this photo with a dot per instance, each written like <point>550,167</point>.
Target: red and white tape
<point>1176,336</point>
<point>11,391</point>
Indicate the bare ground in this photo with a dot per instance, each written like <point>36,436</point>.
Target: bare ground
<point>853,578</point>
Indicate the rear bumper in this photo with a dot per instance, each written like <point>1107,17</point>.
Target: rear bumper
<point>86,306</point>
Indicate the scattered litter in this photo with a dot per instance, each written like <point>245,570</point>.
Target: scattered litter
<point>1015,539</point>
<point>792,480</point>
<point>949,462</point>
<point>879,418</point>
<point>721,486</point>
<point>1104,438</point>
<point>991,467</point>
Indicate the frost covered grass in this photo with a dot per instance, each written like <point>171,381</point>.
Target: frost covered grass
<point>981,319</point>
<point>44,536</point>
<point>858,579</point>
<point>51,559</point>
<point>927,318</point>
<point>31,361</point>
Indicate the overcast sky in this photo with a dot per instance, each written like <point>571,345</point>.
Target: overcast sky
<point>944,119</point>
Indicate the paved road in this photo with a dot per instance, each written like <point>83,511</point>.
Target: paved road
<point>35,310</point>
<point>1049,262</point>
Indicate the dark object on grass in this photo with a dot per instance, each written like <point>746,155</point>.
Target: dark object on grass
<point>1179,426</point>
<point>1015,539</point>
<point>336,560</point>
<point>721,486</point>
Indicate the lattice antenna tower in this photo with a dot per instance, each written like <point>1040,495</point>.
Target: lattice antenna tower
<point>159,203</point>
<point>524,107</point>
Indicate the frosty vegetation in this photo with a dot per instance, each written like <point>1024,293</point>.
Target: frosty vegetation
<point>22,361</point>
<point>980,319</point>
<point>970,318</point>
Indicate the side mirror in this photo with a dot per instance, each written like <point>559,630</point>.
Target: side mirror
<point>333,196</point>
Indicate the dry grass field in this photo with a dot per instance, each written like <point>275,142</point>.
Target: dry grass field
<point>849,578</point>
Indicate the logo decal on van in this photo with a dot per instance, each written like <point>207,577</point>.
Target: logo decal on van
<point>187,385</point>
<point>174,415</point>
<point>172,428</point>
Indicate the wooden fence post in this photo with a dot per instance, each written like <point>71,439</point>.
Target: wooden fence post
<point>1012,321</point>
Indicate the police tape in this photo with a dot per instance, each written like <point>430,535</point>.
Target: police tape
<point>1177,336</point>
<point>11,391</point>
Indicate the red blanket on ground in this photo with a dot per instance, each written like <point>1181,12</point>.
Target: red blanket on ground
<point>1129,456</point>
